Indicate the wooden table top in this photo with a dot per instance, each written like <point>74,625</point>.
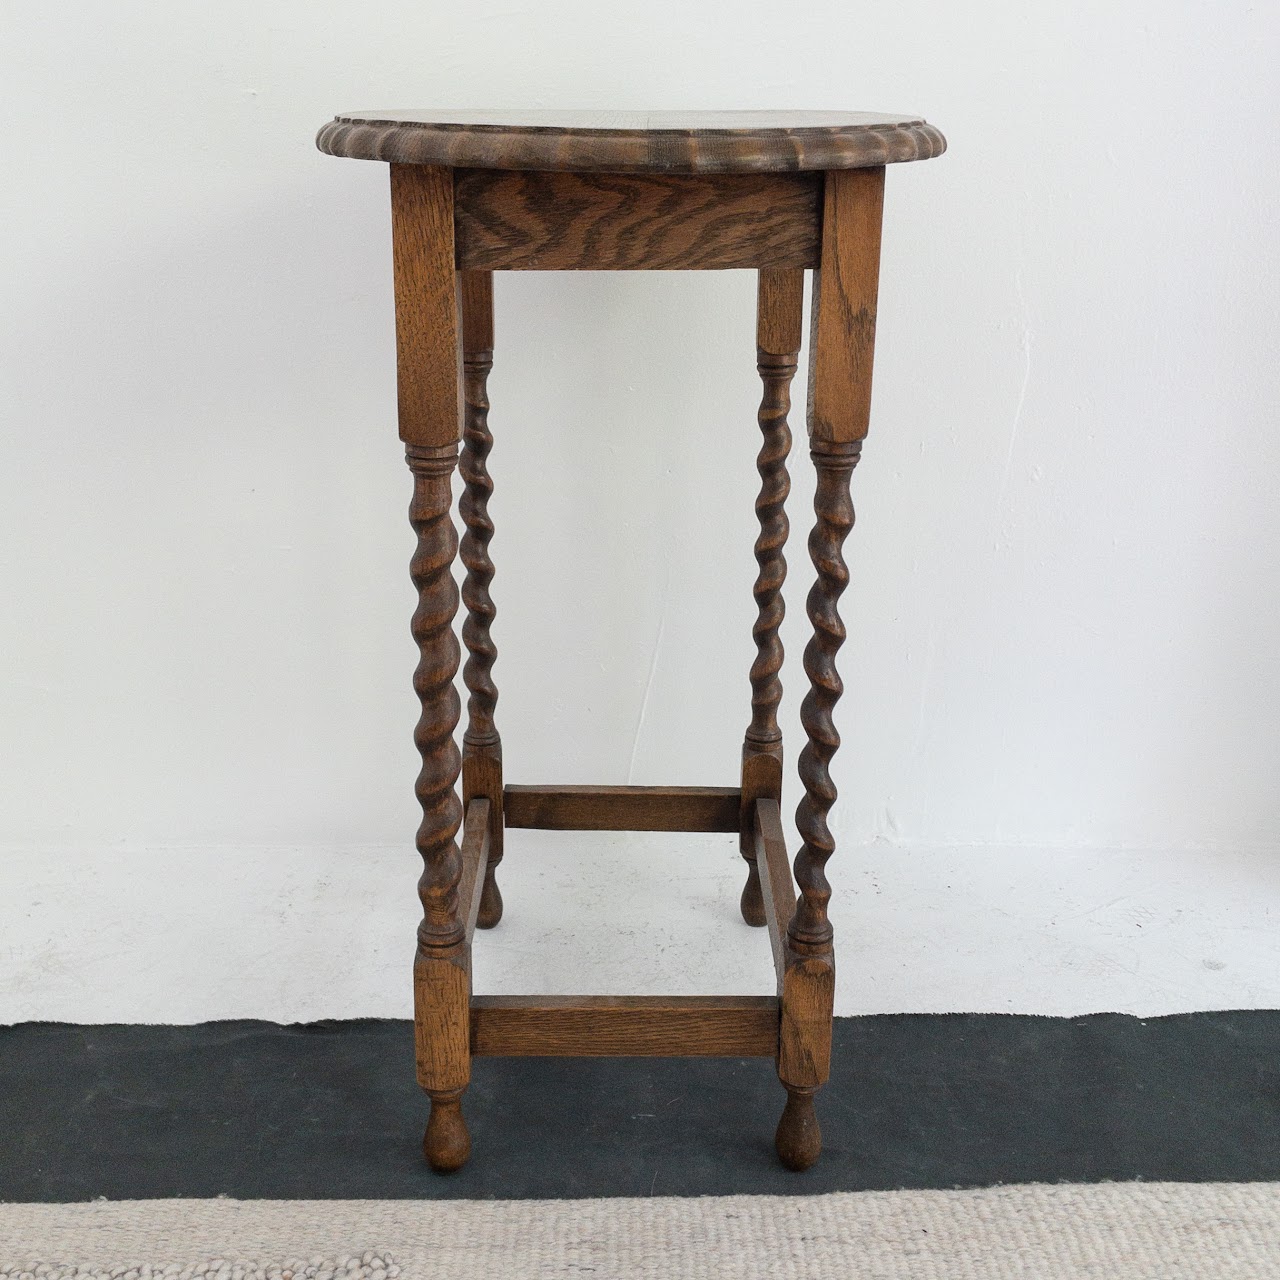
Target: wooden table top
<point>633,141</point>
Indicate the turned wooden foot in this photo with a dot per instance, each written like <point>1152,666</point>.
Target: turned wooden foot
<point>490,901</point>
<point>798,1140</point>
<point>752,901</point>
<point>446,1143</point>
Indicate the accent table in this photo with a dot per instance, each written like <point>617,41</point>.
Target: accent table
<point>776,192</point>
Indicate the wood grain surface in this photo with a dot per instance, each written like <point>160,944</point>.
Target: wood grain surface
<point>810,931</point>
<point>809,974</point>
<point>428,350</point>
<point>777,888</point>
<point>586,808</point>
<point>779,330</point>
<point>441,970</point>
<point>633,1026</point>
<point>843,324</point>
<point>633,142</point>
<point>481,743</point>
<point>431,570</point>
<point>479,191</point>
<point>524,221</point>
<point>475,855</point>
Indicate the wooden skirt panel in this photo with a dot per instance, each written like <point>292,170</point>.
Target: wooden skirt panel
<point>541,221</point>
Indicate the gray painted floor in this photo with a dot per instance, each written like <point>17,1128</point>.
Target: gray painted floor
<point>330,1110</point>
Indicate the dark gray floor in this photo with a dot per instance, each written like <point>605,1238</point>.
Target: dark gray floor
<point>250,1109</point>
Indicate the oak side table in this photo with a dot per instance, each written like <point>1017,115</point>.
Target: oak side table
<point>775,192</point>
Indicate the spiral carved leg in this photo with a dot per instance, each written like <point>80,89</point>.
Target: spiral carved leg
<point>778,334</point>
<point>441,967</point>
<point>808,988</point>
<point>810,930</point>
<point>482,747</point>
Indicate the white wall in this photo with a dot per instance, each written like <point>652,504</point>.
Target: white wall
<point>1059,779</point>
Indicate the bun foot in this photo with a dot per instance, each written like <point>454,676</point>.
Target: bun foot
<point>490,902</point>
<point>752,899</point>
<point>446,1143</point>
<point>798,1140</point>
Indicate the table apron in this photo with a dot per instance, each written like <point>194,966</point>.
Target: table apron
<point>507,220</point>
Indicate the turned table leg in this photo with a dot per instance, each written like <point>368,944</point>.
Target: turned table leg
<point>809,981</point>
<point>779,307</point>
<point>428,359</point>
<point>842,345</point>
<point>481,745</point>
<point>442,985</point>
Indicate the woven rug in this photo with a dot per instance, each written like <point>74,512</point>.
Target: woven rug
<point>1116,1231</point>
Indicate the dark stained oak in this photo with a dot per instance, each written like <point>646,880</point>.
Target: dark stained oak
<point>808,991</point>
<point>634,1026</point>
<point>843,322</point>
<point>528,221</point>
<point>779,311</point>
<point>428,351</point>
<point>778,890</point>
<point>778,192</point>
<point>591,808</point>
<point>633,141</point>
<point>475,856</point>
<point>842,345</point>
<point>442,964</point>
<point>481,745</point>
<point>810,929</point>
<point>779,327</point>
<point>432,627</point>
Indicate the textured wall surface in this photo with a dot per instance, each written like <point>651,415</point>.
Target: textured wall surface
<point>1063,670</point>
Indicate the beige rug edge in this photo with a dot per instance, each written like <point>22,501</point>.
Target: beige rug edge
<point>1122,1231</point>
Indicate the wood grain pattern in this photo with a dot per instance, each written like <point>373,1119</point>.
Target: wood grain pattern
<point>532,221</point>
<point>804,1055</point>
<point>778,889</point>
<point>779,310</point>
<point>843,324</point>
<point>442,993</point>
<point>633,142</point>
<point>779,316</point>
<point>442,1049</point>
<point>481,744</point>
<point>475,854</point>
<point>441,983</point>
<point>446,1143</point>
<point>804,1043</point>
<point>798,1140</point>
<point>810,930</point>
<point>589,808</point>
<point>477,443</point>
<point>778,337</point>
<point>761,776</point>
<point>432,628</point>
<point>778,191</point>
<point>482,777</point>
<point>808,995</point>
<point>428,353</point>
<point>633,1026</point>
<point>475,289</point>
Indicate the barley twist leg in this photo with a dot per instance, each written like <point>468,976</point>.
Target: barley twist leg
<point>441,977</point>
<point>804,1060</point>
<point>482,747</point>
<point>779,306</point>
